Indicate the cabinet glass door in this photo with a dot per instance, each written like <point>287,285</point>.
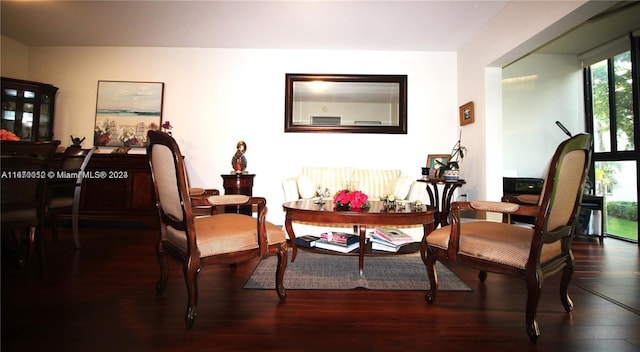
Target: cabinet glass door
<point>44,126</point>
<point>17,111</point>
<point>9,103</point>
<point>28,108</point>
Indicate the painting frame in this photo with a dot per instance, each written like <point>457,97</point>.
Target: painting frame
<point>126,111</point>
<point>433,166</point>
<point>466,114</point>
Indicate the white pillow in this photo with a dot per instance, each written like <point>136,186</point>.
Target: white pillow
<point>306,187</point>
<point>399,187</point>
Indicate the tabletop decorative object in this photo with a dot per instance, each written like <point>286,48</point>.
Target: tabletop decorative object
<point>389,202</point>
<point>166,127</point>
<point>322,193</point>
<point>8,135</point>
<point>347,200</point>
<point>76,141</point>
<point>239,161</point>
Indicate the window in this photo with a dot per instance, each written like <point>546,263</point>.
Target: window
<point>611,106</point>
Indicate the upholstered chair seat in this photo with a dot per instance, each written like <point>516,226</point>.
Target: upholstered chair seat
<point>494,241</point>
<point>224,233</point>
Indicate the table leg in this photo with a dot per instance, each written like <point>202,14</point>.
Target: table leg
<point>434,199</point>
<point>292,238</point>
<point>447,194</point>
<point>362,232</point>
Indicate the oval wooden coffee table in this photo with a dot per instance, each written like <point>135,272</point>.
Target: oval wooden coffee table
<point>307,210</point>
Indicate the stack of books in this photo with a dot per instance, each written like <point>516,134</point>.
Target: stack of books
<point>307,241</point>
<point>389,239</point>
<point>338,241</point>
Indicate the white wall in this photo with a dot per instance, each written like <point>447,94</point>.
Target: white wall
<point>516,31</point>
<point>14,58</point>
<point>216,97</point>
<point>539,90</point>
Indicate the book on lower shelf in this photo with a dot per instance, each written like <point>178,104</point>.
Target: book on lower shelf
<point>392,235</point>
<point>381,245</point>
<point>306,241</point>
<point>339,238</point>
<point>337,247</point>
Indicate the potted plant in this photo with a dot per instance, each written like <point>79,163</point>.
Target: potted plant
<point>451,170</point>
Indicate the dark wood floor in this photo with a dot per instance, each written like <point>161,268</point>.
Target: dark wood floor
<point>102,298</point>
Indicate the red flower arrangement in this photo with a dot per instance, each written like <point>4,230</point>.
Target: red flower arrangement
<point>166,127</point>
<point>345,200</point>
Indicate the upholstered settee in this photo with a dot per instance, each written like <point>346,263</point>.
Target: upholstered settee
<point>375,183</point>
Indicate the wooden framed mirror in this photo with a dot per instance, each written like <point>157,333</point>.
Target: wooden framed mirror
<point>346,103</point>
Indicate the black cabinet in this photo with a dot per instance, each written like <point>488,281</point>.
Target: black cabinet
<point>28,109</point>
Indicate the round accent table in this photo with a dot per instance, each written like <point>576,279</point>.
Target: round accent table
<point>442,204</point>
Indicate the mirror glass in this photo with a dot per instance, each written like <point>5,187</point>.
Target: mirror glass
<point>346,103</point>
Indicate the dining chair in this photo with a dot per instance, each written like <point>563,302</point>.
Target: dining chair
<point>25,166</point>
<point>530,253</point>
<point>225,238</point>
<point>66,188</point>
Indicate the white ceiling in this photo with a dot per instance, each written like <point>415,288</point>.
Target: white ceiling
<point>424,25</point>
<point>616,21</point>
<point>352,25</point>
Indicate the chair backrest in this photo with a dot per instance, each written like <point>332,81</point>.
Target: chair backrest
<point>25,167</point>
<point>170,184</point>
<point>76,160</point>
<point>563,188</point>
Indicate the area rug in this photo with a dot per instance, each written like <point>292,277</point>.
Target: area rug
<point>315,271</point>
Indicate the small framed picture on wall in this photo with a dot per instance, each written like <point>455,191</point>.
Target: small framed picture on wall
<point>466,114</point>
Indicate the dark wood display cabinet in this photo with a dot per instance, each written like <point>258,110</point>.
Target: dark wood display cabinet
<point>119,189</point>
<point>28,109</point>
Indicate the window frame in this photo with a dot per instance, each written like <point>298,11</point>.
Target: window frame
<point>615,154</point>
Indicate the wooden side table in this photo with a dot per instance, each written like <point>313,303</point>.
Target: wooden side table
<point>238,184</point>
<point>200,205</point>
<point>442,205</point>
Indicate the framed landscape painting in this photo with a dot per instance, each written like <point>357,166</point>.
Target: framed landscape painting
<point>125,111</point>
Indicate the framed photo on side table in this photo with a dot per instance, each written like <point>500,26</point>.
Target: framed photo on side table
<point>466,114</point>
<point>433,165</point>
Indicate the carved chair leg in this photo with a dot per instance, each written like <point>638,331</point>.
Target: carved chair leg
<point>482,275</point>
<point>534,290</point>
<point>282,266</point>
<point>75,227</point>
<point>567,273</point>
<point>54,228</point>
<point>31,243</point>
<point>191,280</point>
<point>164,268</point>
<point>429,259</point>
<point>40,252</point>
<point>20,248</point>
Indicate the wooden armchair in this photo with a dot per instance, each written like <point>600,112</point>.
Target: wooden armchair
<point>529,253</point>
<point>25,167</point>
<point>205,240</point>
<point>64,191</point>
